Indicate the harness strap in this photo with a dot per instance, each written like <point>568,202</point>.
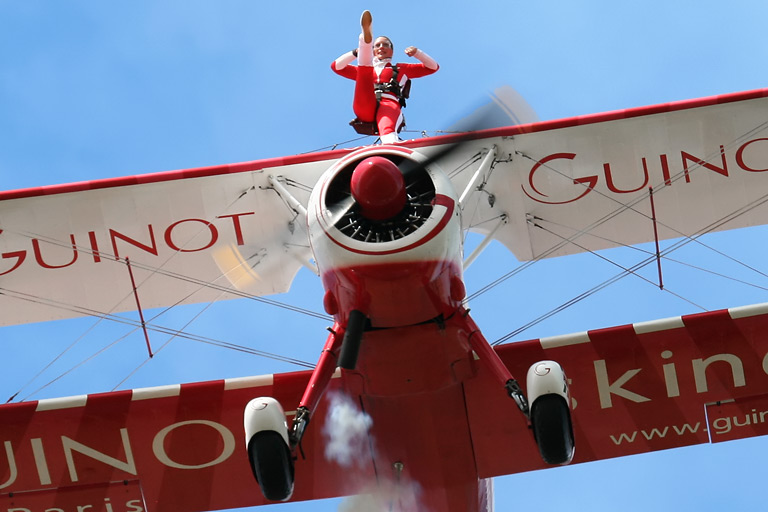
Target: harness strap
<point>393,87</point>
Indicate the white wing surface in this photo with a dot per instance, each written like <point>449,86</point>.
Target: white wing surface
<point>186,236</point>
<point>567,186</point>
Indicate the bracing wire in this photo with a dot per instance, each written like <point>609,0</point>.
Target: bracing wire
<point>174,333</point>
<point>607,217</point>
<point>673,260</point>
<point>632,270</point>
<point>152,271</point>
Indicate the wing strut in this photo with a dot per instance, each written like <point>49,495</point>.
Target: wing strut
<point>293,203</point>
<point>487,240</point>
<point>482,170</point>
<point>656,236</point>
<point>138,307</point>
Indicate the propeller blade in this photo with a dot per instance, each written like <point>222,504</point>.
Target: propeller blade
<point>408,167</point>
<point>340,208</point>
<point>506,107</point>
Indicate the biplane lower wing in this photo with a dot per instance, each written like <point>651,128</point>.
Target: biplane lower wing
<point>637,388</point>
<point>182,445</point>
<point>643,387</point>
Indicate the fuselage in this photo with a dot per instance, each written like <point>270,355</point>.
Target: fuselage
<point>405,275</point>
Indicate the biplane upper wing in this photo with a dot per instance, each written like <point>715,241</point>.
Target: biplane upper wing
<point>554,187</point>
<point>636,388</point>
<point>190,236</point>
<point>584,183</point>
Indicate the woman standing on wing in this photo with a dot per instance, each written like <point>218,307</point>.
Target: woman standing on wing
<point>380,86</point>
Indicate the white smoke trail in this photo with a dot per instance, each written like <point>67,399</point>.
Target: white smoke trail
<point>389,497</point>
<point>348,441</point>
<point>346,431</point>
<point>362,503</point>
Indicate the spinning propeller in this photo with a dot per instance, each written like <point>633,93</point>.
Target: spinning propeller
<point>384,197</point>
<point>378,189</point>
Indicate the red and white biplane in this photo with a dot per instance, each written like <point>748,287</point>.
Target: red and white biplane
<point>443,410</point>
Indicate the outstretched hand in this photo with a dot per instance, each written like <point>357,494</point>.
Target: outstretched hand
<point>411,51</point>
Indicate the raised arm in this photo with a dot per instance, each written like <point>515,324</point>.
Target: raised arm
<point>422,57</point>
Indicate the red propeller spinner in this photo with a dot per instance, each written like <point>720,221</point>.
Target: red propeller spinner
<point>378,186</point>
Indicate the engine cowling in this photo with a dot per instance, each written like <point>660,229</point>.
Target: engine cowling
<point>387,241</point>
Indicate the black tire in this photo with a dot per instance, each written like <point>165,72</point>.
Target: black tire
<point>551,421</point>
<point>272,465</point>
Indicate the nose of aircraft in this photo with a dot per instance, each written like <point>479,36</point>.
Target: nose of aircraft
<point>378,186</point>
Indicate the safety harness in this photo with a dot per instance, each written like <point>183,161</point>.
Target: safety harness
<point>391,87</point>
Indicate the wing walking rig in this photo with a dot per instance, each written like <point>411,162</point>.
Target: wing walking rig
<point>383,227</point>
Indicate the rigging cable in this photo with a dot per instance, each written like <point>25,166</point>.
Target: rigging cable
<point>674,260</point>
<point>136,326</point>
<point>153,270</point>
<point>713,226</point>
<point>609,216</point>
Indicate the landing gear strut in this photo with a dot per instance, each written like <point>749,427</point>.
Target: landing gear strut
<point>300,423</point>
<point>547,406</point>
<point>271,444</point>
<point>516,393</point>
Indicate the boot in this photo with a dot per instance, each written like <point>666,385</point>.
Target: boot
<point>366,21</point>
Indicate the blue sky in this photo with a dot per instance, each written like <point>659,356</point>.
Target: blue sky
<point>99,89</point>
